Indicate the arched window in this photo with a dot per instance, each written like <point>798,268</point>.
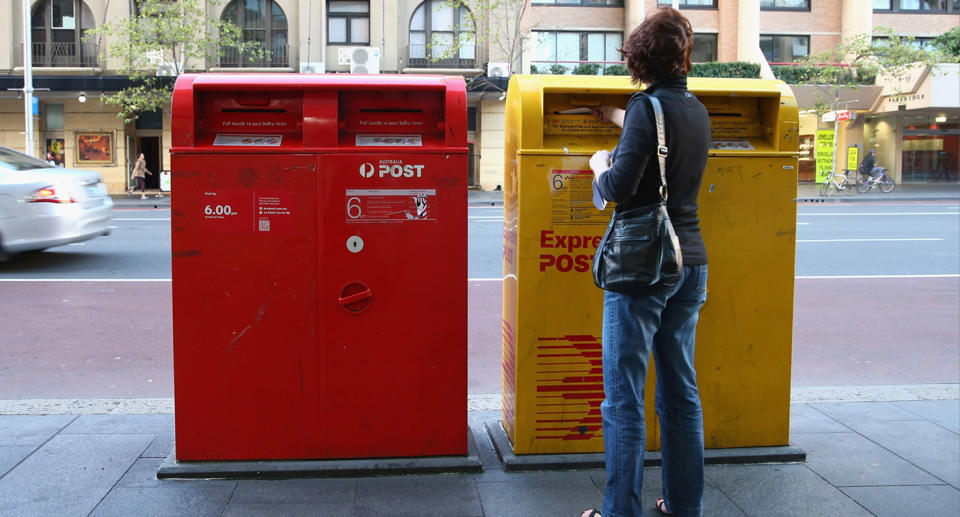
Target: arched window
<point>442,36</point>
<point>261,21</point>
<point>57,28</point>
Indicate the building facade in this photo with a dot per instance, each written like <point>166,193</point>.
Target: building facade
<point>914,132</point>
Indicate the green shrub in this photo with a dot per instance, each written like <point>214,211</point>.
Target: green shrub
<point>587,69</point>
<point>533,69</point>
<point>557,69</point>
<point>795,74</point>
<point>735,69</point>
<point>616,70</point>
<point>808,74</point>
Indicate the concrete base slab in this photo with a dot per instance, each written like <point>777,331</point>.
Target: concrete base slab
<point>518,463</point>
<point>170,468</point>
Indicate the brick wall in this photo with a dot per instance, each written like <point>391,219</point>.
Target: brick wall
<point>907,24</point>
<point>551,17</point>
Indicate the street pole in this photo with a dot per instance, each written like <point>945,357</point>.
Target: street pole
<point>27,79</point>
<point>836,127</point>
<point>836,132</point>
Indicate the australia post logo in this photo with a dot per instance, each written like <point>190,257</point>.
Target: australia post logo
<point>392,168</point>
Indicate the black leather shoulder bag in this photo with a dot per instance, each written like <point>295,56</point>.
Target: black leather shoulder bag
<point>640,249</point>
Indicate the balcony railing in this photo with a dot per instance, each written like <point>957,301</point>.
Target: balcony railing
<point>46,54</point>
<point>418,56</point>
<point>578,67</point>
<point>277,57</point>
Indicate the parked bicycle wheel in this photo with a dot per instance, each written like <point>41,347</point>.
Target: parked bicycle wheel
<point>863,184</point>
<point>847,187</point>
<point>886,184</point>
<point>825,188</point>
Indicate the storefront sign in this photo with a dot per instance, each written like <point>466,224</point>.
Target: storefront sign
<point>824,153</point>
<point>841,115</point>
<point>853,157</point>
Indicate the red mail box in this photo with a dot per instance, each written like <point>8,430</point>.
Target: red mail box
<point>319,235</point>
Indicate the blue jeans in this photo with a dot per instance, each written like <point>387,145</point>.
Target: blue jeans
<point>664,321</point>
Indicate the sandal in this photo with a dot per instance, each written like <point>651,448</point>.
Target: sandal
<point>662,507</point>
<point>593,513</point>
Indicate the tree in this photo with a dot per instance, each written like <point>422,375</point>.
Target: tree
<point>498,22</point>
<point>861,60</point>
<point>154,47</point>
<point>948,43</point>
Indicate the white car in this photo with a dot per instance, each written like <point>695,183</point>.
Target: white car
<point>42,206</point>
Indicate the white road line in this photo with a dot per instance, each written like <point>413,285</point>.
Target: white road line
<point>857,277</point>
<point>870,240</point>
<point>798,277</point>
<point>803,224</point>
<point>28,280</point>
<point>478,401</point>
<point>831,214</point>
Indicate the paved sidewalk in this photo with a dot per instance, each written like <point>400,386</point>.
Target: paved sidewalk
<point>805,192</point>
<point>863,458</point>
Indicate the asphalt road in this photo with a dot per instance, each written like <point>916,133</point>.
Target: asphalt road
<point>877,302</point>
<point>832,240</point>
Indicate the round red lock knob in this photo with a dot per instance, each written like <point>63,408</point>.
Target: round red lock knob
<point>355,297</point>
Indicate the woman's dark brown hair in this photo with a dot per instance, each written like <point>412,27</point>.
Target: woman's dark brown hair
<point>659,47</point>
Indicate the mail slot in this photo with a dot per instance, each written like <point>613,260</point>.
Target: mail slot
<point>319,266</point>
<point>552,312</point>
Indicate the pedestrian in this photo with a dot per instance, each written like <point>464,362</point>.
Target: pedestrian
<point>867,166</point>
<point>943,161</point>
<point>138,176</point>
<point>51,159</point>
<point>660,319</point>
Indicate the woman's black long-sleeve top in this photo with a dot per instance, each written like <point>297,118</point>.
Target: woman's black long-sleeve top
<point>634,178</point>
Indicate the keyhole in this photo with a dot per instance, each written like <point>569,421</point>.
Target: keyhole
<point>354,244</point>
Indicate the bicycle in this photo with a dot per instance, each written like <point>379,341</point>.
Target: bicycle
<point>877,179</point>
<point>837,183</point>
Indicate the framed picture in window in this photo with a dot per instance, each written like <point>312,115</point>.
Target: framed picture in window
<point>95,148</point>
<point>56,151</point>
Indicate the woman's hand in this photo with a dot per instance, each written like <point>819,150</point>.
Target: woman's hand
<point>599,163</point>
<point>610,114</point>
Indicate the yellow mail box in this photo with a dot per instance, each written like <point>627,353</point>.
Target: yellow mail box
<point>552,313</point>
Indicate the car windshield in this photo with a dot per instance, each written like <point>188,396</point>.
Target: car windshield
<point>17,161</point>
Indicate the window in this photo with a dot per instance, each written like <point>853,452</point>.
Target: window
<point>784,49</point>
<point>53,116</point>
<point>261,21</point>
<point>692,4</point>
<point>704,48</point>
<point>442,35</point>
<point>917,6</point>
<point>562,52</point>
<point>587,3</point>
<point>792,5</point>
<point>57,28</point>
<point>348,22</point>
<point>919,42</point>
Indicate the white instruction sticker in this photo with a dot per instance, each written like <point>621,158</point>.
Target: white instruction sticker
<point>391,205</point>
<point>731,145</point>
<point>389,140</point>
<point>249,140</point>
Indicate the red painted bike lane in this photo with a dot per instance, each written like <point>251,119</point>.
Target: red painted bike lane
<point>114,339</point>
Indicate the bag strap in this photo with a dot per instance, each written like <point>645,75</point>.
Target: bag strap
<point>661,145</point>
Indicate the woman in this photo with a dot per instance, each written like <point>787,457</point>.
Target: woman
<point>664,319</point>
<point>139,177</point>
